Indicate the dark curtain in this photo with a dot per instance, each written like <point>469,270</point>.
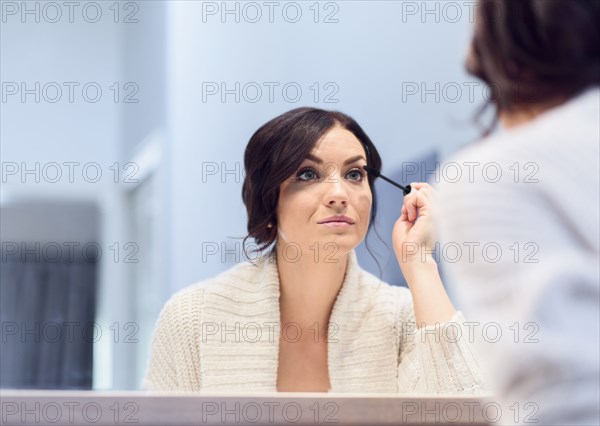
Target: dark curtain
<point>47,312</point>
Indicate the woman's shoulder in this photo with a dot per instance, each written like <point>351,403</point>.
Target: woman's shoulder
<point>242,275</point>
<point>563,139</point>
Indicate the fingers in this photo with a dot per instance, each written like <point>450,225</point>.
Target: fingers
<point>404,213</point>
<point>418,198</point>
<point>410,206</point>
<point>419,185</point>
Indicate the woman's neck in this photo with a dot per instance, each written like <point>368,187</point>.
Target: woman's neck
<point>522,115</point>
<point>309,287</point>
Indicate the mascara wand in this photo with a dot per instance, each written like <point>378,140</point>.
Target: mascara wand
<point>405,189</point>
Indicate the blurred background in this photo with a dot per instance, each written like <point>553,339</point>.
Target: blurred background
<point>123,127</point>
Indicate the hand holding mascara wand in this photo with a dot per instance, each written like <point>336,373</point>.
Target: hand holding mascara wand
<point>405,189</point>
<point>414,239</point>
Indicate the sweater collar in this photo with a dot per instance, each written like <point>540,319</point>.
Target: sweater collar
<point>268,280</point>
<point>233,301</point>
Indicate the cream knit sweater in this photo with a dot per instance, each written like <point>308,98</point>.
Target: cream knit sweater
<point>222,335</point>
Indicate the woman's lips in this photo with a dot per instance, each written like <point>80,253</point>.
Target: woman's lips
<point>338,219</point>
<point>337,224</point>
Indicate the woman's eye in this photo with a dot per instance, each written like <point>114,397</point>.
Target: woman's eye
<point>310,174</point>
<point>307,174</point>
<point>356,174</point>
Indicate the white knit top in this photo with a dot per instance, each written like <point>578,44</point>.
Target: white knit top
<point>223,334</point>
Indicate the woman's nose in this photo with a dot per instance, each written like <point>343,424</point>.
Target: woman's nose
<point>336,193</point>
<point>342,202</point>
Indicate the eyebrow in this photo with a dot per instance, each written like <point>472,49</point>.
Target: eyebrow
<point>348,161</point>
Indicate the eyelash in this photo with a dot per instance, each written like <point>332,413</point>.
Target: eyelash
<point>361,172</point>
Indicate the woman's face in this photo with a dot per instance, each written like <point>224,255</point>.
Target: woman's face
<point>325,206</point>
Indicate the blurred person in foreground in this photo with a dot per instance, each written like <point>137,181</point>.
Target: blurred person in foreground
<point>527,203</point>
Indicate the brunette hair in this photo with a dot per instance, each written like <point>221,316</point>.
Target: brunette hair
<point>535,51</point>
<point>276,150</point>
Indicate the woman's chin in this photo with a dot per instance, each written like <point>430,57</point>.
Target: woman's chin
<point>324,245</point>
<point>336,245</point>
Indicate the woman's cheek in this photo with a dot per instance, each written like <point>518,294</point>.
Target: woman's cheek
<point>364,203</point>
<point>364,210</point>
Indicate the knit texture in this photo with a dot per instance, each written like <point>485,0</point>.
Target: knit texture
<point>222,334</point>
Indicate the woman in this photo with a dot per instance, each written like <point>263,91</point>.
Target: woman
<point>542,60</point>
<point>304,316</point>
